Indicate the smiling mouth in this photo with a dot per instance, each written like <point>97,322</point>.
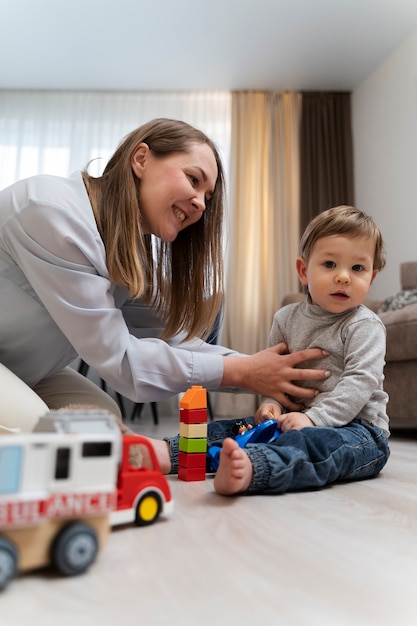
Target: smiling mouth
<point>179,214</point>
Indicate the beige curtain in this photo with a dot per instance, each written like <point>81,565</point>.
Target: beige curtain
<point>264,224</point>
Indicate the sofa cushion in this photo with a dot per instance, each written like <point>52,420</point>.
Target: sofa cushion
<point>401,326</point>
<point>408,275</point>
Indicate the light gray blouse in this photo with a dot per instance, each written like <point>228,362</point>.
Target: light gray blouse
<point>57,301</point>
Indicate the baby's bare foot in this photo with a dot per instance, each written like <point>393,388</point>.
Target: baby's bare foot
<point>235,470</point>
<point>162,451</point>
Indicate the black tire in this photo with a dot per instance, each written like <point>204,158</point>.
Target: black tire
<point>8,562</point>
<point>148,508</point>
<point>74,549</point>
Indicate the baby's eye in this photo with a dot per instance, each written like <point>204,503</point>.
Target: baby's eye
<point>358,268</point>
<point>329,264</point>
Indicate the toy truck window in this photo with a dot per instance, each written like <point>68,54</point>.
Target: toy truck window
<point>97,448</point>
<point>62,463</point>
<point>10,464</point>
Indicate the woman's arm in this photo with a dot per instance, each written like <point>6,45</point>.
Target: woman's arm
<point>62,256</point>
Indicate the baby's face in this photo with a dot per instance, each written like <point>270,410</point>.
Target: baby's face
<point>339,272</point>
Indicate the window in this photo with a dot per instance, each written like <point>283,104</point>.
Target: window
<point>62,463</point>
<point>96,448</point>
<point>59,132</point>
<point>10,466</point>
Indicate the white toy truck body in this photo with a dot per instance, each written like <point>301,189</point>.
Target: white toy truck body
<point>63,486</point>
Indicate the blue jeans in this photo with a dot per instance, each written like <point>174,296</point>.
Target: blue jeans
<point>308,458</point>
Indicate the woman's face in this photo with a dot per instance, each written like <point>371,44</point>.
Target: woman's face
<point>174,189</point>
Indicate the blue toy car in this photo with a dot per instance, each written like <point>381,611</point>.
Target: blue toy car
<point>263,433</point>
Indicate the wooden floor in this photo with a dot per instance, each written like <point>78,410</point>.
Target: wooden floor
<point>342,556</point>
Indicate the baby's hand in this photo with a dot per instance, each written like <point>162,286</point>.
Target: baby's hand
<point>294,421</point>
<point>267,411</point>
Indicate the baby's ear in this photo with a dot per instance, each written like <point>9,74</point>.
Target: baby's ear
<point>374,273</point>
<point>301,267</point>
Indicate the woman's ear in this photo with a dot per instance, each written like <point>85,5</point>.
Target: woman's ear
<point>301,267</point>
<point>140,159</point>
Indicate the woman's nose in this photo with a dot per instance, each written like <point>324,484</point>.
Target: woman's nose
<point>199,202</point>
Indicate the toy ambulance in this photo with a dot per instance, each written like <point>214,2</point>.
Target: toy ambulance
<point>65,484</point>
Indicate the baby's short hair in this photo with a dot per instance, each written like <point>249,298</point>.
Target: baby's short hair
<point>343,220</point>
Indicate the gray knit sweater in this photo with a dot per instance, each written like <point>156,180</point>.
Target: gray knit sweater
<point>355,341</point>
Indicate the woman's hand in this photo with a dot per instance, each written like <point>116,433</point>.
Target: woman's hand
<point>272,373</point>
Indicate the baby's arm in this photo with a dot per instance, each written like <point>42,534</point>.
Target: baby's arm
<point>361,381</point>
<point>286,421</point>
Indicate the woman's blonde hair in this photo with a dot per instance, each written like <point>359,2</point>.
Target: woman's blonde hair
<point>343,220</point>
<point>182,280</point>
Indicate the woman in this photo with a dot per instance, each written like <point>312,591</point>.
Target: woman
<point>74,252</point>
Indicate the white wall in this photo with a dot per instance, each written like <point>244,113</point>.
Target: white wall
<point>384,114</point>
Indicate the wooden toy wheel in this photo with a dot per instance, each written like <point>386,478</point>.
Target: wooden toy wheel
<point>8,562</point>
<point>74,549</point>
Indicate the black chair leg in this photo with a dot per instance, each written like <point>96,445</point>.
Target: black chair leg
<point>210,408</point>
<point>121,404</point>
<point>137,410</point>
<point>83,369</point>
<point>154,408</point>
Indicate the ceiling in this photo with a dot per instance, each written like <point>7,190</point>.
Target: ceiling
<point>150,45</point>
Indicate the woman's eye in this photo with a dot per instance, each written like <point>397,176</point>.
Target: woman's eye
<point>193,179</point>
